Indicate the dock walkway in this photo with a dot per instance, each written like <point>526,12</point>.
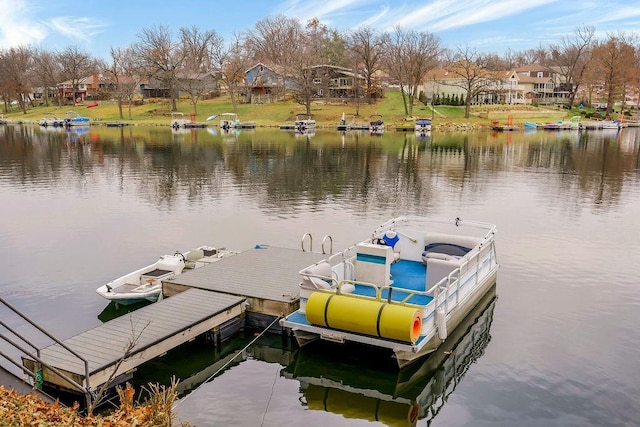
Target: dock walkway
<point>267,276</point>
<point>155,329</point>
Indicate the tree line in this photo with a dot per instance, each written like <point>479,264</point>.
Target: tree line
<point>183,61</point>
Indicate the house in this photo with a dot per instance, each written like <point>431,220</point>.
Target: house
<point>541,84</point>
<point>200,84</point>
<point>529,84</point>
<point>331,81</point>
<point>497,87</point>
<point>91,87</point>
<point>265,84</point>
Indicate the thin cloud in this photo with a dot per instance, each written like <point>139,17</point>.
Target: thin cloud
<point>443,15</point>
<point>384,10</point>
<point>16,28</point>
<point>77,28</point>
<point>321,9</point>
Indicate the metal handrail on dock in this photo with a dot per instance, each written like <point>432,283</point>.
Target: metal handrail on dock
<point>86,390</point>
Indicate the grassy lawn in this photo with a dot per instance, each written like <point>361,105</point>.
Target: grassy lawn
<point>275,114</point>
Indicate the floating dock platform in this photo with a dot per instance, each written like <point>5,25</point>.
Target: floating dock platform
<point>266,276</point>
<point>256,286</point>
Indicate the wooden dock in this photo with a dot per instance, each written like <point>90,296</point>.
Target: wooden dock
<point>155,329</point>
<point>263,282</point>
<point>268,277</point>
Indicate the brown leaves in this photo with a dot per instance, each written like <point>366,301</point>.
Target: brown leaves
<point>18,410</point>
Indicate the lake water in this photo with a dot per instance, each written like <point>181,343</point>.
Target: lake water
<point>559,345</point>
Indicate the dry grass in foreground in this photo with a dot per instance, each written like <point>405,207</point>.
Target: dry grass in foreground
<point>21,410</point>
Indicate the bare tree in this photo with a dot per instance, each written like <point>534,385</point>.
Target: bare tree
<point>470,67</point>
<point>76,64</point>
<point>46,74</point>
<point>200,47</point>
<point>284,41</point>
<point>16,64</point>
<point>367,48</point>
<point>162,58</point>
<point>411,55</point>
<point>123,74</point>
<point>232,63</point>
<point>613,62</point>
<point>572,56</point>
<point>539,55</point>
<point>273,38</point>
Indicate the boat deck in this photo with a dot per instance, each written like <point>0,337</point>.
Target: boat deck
<point>266,275</point>
<point>154,329</point>
<point>407,276</point>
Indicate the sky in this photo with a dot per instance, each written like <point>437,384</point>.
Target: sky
<point>490,26</point>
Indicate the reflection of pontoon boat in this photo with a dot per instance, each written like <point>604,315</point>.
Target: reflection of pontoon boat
<point>400,290</point>
<point>331,382</point>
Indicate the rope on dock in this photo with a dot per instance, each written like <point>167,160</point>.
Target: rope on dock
<point>176,404</point>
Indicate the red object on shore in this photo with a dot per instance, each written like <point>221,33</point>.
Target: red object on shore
<point>93,104</point>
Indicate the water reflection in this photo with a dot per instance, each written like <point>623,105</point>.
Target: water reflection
<point>353,387</point>
<point>287,169</point>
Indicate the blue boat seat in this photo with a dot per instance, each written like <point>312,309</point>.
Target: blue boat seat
<point>391,238</point>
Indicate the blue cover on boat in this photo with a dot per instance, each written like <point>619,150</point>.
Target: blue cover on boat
<point>446,248</point>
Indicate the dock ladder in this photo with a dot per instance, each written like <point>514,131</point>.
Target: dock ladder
<point>309,237</point>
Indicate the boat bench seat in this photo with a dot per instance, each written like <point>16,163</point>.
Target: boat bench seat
<point>443,253</point>
<point>317,276</point>
<point>449,244</point>
<point>439,266</point>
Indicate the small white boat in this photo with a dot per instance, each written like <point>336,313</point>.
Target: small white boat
<point>51,120</point>
<point>611,124</point>
<point>572,124</point>
<point>146,283</point>
<point>402,289</point>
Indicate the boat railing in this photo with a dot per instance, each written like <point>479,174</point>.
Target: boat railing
<point>451,283</point>
<point>394,222</point>
<point>377,290</point>
<point>36,375</point>
<point>409,294</point>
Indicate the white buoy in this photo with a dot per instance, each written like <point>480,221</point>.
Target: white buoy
<point>441,323</point>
